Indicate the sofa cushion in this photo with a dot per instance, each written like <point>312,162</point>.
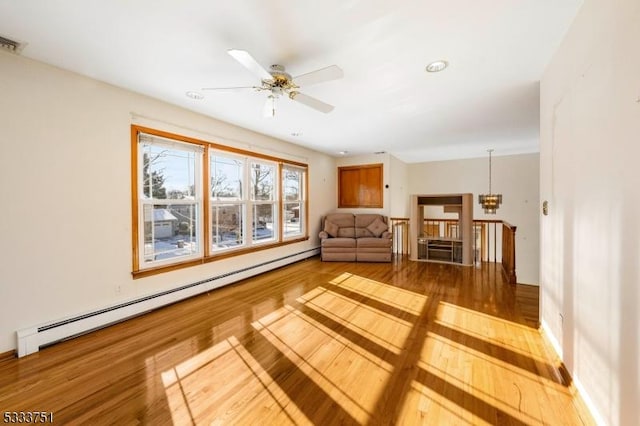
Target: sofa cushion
<point>345,222</point>
<point>328,256</point>
<point>331,228</point>
<point>373,257</point>
<point>339,242</point>
<point>363,233</point>
<point>362,221</point>
<point>347,232</point>
<point>377,227</point>
<point>373,242</point>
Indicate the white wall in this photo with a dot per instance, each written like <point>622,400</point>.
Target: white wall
<point>65,220</point>
<point>399,196</point>
<point>590,241</point>
<point>514,176</point>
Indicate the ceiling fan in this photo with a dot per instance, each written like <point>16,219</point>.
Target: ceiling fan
<point>277,82</point>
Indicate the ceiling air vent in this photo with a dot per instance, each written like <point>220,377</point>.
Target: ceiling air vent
<point>10,45</point>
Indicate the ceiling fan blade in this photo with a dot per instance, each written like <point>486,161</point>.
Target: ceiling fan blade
<point>311,102</point>
<point>231,89</point>
<point>247,61</point>
<point>329,73</point>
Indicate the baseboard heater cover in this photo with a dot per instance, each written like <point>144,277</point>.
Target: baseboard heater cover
<point>32,339</point>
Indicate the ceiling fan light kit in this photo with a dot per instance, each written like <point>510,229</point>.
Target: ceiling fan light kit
<point>269,110</point>
<point>279,82</point>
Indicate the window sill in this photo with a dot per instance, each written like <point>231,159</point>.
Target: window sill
<point>142,273</point>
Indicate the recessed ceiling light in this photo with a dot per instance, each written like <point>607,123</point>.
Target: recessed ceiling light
<point>343,152</point>
<point>437,66</point>
<point>194,95</point>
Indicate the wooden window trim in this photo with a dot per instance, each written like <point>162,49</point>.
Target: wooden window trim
<point>207,256</point>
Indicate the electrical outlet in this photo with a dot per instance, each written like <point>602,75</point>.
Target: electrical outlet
<point>118,289</point>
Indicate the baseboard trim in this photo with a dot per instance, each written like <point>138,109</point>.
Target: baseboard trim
<point>551,338</point>
<point>568,377</point>
<point>589,402</point>
<point>32,339</point>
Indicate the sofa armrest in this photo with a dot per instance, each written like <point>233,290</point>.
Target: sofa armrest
<point>323,235</point>
<point>386,234</point>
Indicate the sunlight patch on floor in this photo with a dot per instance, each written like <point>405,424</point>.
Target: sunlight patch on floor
<point>406,300</point>
<point>360,343</point>
<point>492,329</point>
<point>335,368</point>
<point>390,331</point>
<point>306,357</point>
<point>432,404</point>
<point>222,384</point>
<point>492,381</point>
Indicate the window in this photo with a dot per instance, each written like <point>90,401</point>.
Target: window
<point>170,200</point>
<point>292,202</point>
<point>263,201</point>
<point>227,205</point>
<point>195,201</point>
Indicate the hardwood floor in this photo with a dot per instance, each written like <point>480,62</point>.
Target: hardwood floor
<point>313,343</point>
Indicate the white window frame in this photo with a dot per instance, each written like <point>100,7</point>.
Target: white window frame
<point>301,200</point>
<point>240,201</point>
<point>145,139</point>
<point>252,202</point>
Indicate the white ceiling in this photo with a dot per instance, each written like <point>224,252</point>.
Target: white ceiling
<point>487,98</point>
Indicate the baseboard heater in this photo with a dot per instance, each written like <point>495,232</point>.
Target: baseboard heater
<point>32,339</point>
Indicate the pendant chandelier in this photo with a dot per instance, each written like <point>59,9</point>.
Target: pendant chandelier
<point>490,202</point>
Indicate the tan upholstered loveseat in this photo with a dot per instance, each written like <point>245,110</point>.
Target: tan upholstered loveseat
<point>347,237</point>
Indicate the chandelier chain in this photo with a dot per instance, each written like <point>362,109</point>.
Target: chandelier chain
<point>490,151</point>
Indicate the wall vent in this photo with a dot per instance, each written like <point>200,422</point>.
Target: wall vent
<point>11,45</point>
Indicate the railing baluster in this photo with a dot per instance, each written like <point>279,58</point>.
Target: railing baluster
<point>495,242</point>
<point>486,235</point>
<point>482,230</point>
<point>399,228</point>
<point>509,252</point>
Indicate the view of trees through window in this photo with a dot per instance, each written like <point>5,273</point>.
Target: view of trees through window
<point>292,200</point>
<point>227,204</point>
<point>264,201</point>
<point>251,201</point>
<point>170,210</point>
